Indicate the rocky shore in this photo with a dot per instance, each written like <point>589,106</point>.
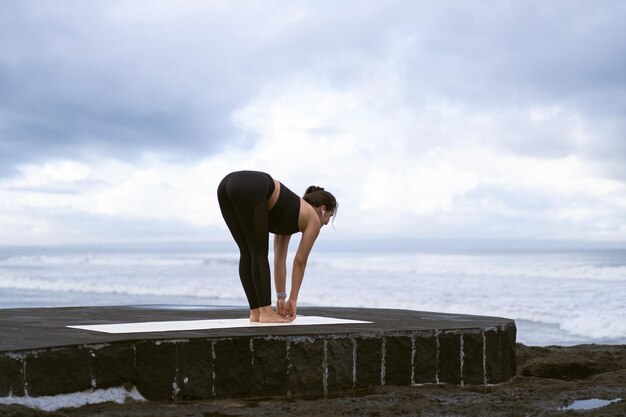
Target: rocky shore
<point>548,379</point>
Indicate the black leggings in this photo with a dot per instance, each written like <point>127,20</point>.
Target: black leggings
<point>243,200</point>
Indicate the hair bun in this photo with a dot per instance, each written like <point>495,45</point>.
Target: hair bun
<point>317,197</point>
<point>313,188</point>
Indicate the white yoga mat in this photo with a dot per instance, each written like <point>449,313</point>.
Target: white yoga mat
<point>186,325</point>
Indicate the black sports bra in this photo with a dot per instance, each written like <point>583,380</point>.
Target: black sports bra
<point>284,214</point>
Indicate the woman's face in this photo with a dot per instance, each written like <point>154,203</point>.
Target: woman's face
<point>326,218</point>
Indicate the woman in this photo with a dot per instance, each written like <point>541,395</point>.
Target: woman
<point>253,205</point>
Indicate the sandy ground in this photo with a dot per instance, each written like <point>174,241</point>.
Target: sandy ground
<point>548,378</point>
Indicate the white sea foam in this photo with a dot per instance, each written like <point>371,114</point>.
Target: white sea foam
<point>113,286</point>
<point>78,399</point>
<point>515,266</point>
<point>579,298</point>
<point>181,275</point>
<point>118,260</point>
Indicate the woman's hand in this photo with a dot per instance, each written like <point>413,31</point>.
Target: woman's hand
<point>290,309</point>
<point>280,306</point>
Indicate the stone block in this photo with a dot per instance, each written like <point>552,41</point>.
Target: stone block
<point>195,370</point>
<point>155,370</point>
<point>368,361</point>
<point>306,372</point>
<point>398,351</point>
<point>507,348</point>
<point>340,364</point>
<point>269,367</point>
<point>500,354</point>
<point>473,372</point>
<point>233,367</point>
<point>11,377</point>
<point>58,371</point>
<point>493,365</point>
<point>425,362</point>
<point>450,358</point>
<point>113,365</point>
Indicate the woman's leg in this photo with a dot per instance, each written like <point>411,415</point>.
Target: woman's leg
<point>245,195</point>
<point>245,260</point>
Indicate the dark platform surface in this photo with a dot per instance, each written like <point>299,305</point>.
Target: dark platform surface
<point>38,328</point>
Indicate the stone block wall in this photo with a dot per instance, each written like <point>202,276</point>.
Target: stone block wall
<point>251,366</point>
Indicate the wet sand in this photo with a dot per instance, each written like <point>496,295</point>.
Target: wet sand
<point>548,378</point>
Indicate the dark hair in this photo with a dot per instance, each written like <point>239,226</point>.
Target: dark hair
<point>317,196</point>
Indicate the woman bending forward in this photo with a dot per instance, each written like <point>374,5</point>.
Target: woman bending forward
<point>254,205</point>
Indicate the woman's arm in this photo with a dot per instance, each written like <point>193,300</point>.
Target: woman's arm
<point>281,245</point>
<point>299,262</point>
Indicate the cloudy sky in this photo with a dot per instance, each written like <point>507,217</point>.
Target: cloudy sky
<point>426,119</point>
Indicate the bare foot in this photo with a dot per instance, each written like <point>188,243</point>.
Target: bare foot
<point>267,315</point>
<point>254,315</point>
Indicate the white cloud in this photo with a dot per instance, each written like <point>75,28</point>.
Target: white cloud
<point>407,165</point>
<point>152,190</point>
<point>396,169</point>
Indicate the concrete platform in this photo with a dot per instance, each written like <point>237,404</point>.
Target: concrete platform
<point>40,356</point>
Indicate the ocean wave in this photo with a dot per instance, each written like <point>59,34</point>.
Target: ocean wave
<point>597,325</point>
<point>117,260</point>
<point>141,288</point>
<point>514,267</point>
<point>592,326</point>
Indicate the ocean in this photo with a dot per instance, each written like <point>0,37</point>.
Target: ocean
<point>562,297</point>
